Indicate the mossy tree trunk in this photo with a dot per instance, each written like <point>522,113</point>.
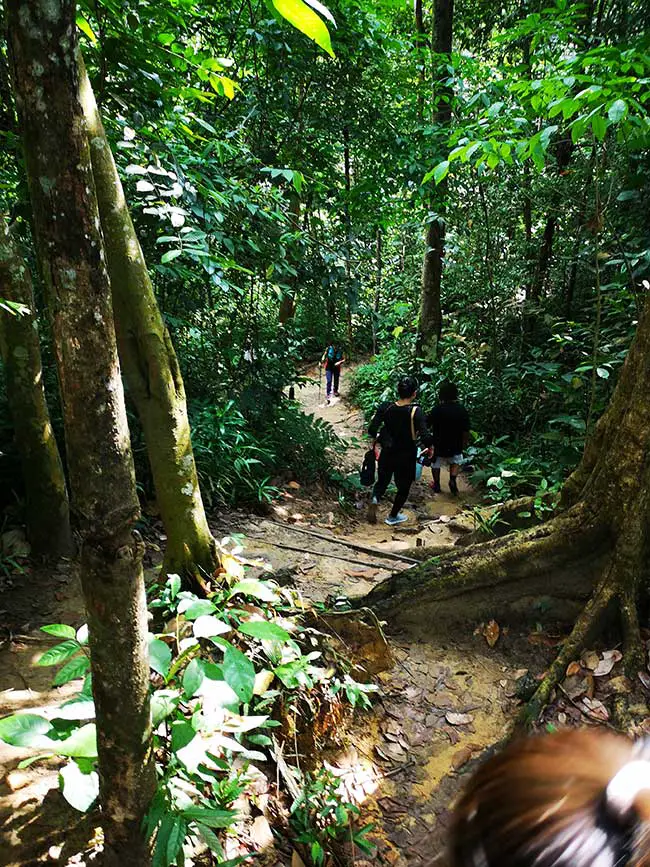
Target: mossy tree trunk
<point>597,547</point>
<point>46,493</point>
<point>43,47</point>
<point>150,366</point>
<point>430,321</point>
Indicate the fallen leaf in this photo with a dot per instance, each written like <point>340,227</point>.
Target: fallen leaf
<point>595,708</point>
<point>561,718</point>
<point>616,655</point>
<point>590,659</point>
<point>491,633</point>
<point>296,860</point>
<point>575,686</point>
<point>461,758</point>
<point>573,668</point>
<point>620,684</point>
<point>520,673</point>
<point>604,667</point>
<point>293,486</point>
<point>458,719</point>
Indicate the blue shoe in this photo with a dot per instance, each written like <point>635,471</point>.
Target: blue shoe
<point>398,519</point>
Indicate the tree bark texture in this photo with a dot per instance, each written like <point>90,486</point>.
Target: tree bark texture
<point>430,321</point>
<point>599,543</point>
<point>150,365</point>
<point>46,492</point>
<point>43,51</point>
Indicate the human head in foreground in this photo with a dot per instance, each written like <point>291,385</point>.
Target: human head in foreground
<point>570,799</point>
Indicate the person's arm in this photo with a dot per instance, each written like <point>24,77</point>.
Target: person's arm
<point>375,424</point>
<point>421,428</point>
<point>339,363</point>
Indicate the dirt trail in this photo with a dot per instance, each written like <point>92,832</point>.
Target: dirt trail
<point>441,704</point>
<point>444,702</point>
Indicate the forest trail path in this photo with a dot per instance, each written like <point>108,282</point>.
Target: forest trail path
<point>446,699</point>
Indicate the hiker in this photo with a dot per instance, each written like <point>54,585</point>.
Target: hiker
<point>402,423</point>
<point>332,359</point>
<point>449,426</point>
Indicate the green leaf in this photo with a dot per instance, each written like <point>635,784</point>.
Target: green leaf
<point>239,673</point>
<point>164,829</point>
<point>599,126</point>
<point>201,606</point>
<point>77,709</point>
<point>175,839</point>
<point>23,729</point>
<point>163,703</point>
<point>193,677</point>
<point>72,670</point>
<point>80,790</point>
<point>307,21</point>
<point>264,630</point>
<point>256,589</point>
<point>59,653</point>
<point>207,626</point>
<point>617,110</point>
<point>210,818</point>
<point>82,743</point>
<point>59,630</point>
<point>602,372</point>
<point>170,255</point>
<point>210,839</point>
<point>160,656</point>
<point>86,29</point>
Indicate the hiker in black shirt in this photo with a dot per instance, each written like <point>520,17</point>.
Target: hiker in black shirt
<point>449,426</point>
<point>402,424</point>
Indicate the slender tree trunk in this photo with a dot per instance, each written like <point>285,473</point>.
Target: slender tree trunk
<point>46,493</point>
<point>348,232</point>
<point>43,49</point>
<point>430,322</point>
<point>288,303</point>
<point>377,298</point>
<point>420,45</point>
<point>150,365</point>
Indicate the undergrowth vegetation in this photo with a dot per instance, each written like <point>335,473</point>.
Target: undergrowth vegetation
<point>235,678</point>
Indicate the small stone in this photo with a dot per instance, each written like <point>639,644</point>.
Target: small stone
<point>293,486</point>
<point>16,780</point>
<point>261,833</point>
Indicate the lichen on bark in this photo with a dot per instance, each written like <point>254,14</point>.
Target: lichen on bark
<point>47,510</point>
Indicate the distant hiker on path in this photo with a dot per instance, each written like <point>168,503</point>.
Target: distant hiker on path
<point>402,423</point>
<point>333,360</point>
<point>449,426</point>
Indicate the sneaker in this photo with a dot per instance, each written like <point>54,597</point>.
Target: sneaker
<point>336,394</point>
<point>398,519</point>
<point>372,511</point>
<point>435,487</point>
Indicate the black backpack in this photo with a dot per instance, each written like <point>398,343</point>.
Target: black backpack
<point>367,471</point>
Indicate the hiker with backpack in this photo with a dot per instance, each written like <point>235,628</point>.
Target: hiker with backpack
<point>332,359</point>
<point>449,426</point>
<point>400,424</point>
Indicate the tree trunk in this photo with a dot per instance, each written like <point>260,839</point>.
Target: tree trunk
<point>598,544</point>
<point>377,298</point>
<point>288,302</point>
<point>150,366</point>
<point>46,493</point>
<point>348,233</point>
<point>43,48</point>
<point>430,321</point>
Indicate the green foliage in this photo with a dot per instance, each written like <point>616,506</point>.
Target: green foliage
<point>218,679</point>
<point>322,818</point>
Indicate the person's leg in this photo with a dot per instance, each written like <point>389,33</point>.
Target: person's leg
<point>328,380</point>
<point>435,472</point>
<point>404,474</point>
<point>454,469</point>
<point>337,376</point>
<point>384,475</point>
